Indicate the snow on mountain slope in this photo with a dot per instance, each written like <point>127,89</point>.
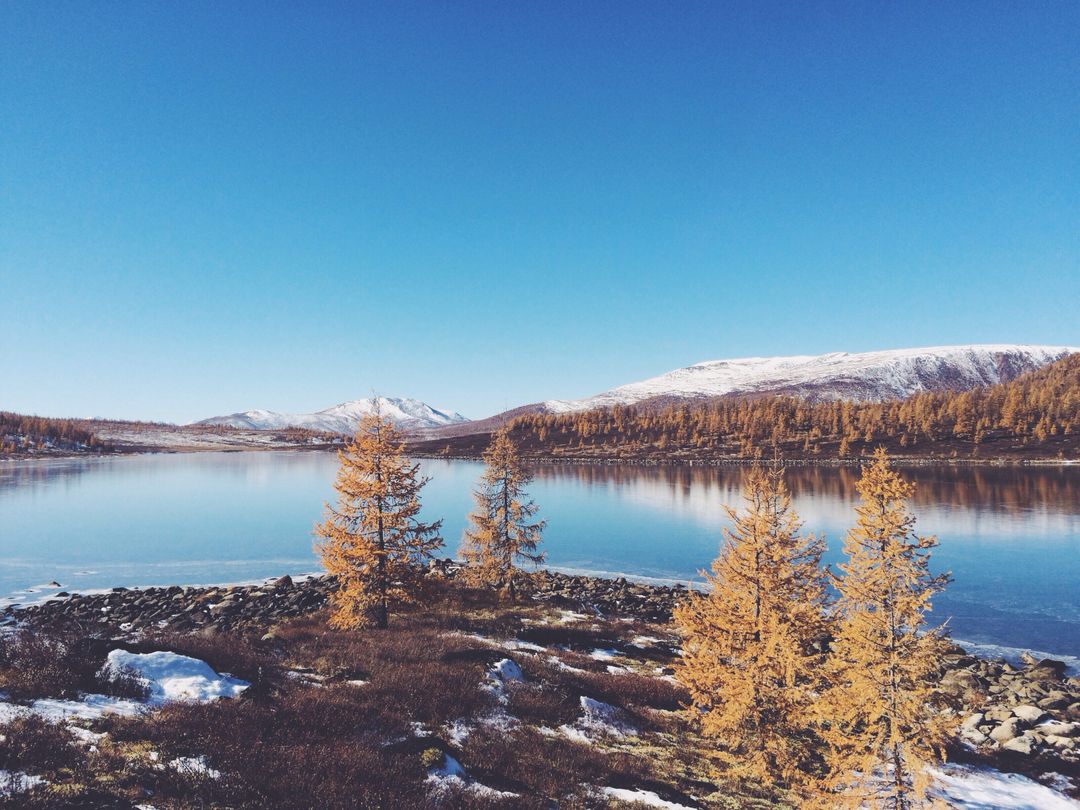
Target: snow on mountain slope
<point>406,414</point>
<point>865,376</point>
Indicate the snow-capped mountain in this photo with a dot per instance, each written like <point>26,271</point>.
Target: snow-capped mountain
<point>409,415</point>
<point>864,376</point>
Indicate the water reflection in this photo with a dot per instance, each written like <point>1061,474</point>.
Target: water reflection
<point>1010,536</point>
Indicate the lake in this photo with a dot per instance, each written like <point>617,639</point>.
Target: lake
<point>1009,535</point>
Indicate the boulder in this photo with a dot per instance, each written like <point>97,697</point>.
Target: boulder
<point>1008,730</point>
<point>1028,713</point>
<point>973,720</point>
<point>1019,745</point>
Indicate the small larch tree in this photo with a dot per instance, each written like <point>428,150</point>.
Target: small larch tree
<point>752,643</point>
<point>883,718</point>
<point>502,529</point>
<point>373,541</point>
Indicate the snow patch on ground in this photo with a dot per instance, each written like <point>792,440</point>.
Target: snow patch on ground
<point>171,676</point>
<point>518,644</point>
<point>499,675</point>
<point>452,776</point>
<point>194,766</point>
<point>971,788</point>
<point>598,719</point>
<point>89,707</point>
<point>641,796</point>
<point>565,667</point>
<point>12,782</point>
<point>458,731</point>
<point>604,654</point>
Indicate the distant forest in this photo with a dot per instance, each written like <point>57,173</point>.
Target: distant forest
<point>29,434</point>
<point>1034,416</point>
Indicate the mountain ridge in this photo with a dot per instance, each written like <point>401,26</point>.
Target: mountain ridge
<point>407,414</point>
<point>860,376</point>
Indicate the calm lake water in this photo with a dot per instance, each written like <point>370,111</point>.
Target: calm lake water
<point>1010,536</point>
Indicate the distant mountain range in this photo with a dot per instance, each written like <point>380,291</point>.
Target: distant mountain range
<point>865,376</point>
<point>410,415</point>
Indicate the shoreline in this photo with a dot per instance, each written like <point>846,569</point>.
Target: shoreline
<point>1023,717</point>
<point>605,592</point>
<point>726,461</point>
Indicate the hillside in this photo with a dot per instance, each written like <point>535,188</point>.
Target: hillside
<point>22,435</point>
<point>1036,415</point>
<point>409,415</point>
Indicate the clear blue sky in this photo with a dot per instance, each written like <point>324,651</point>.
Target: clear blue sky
<point>207,207</point>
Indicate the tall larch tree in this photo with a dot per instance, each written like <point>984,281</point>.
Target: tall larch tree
<point>373,541</point>
<point>501,529</point>
<point>882,715</point>
<point>752,642</point>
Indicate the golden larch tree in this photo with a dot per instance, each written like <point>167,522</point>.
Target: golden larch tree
<point>501,529</point>
<point>373,541</point>
<point>752,642</point>
<point>883,718</point>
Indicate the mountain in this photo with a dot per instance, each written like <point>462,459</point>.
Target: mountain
<point>409,415</point>
<point>865,377</point>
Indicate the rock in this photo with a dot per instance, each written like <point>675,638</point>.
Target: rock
<point>1062,743</point>
<point>283,582</point>
<point>1050,665</point>
<point>1056,727</point>
<point>974,736</point>
<point>1028,713</point>
<point>973,720</point>
<point>1055,700</point>
<point>1019,745</point>
<point>1008,730</point>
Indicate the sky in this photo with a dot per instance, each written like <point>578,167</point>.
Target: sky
<point>210,207</point>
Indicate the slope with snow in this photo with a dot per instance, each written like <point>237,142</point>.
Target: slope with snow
<point>867,376</point>
<point>406,414</point>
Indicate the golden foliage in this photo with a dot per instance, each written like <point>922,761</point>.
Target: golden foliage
<point>882,721</point>
<point>501,529</point>
<point>1036,409</point>
<point>752,644</point>
<point>373,541</point>
<point>19,433</point>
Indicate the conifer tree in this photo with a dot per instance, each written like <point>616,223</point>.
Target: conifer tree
<point>373,541</point>
<point>501,529</point>
<point>751,644</point>
<point>883,723</point>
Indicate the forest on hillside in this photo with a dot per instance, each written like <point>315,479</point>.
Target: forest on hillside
<point>1034,416</point>
<point>30,434</point>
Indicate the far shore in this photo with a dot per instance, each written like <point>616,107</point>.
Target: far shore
<point>722,461</point>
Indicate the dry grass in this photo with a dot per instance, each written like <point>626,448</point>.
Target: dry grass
<point>319,741</point>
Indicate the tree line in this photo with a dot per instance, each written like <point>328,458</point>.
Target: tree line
<point>19,433</point>
<point>831,698</point>
<point>1039,411</point>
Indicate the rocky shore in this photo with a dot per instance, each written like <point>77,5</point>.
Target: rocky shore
<point>1029,712</point>
<point>250,608</point>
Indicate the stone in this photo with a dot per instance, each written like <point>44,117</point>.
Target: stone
<point>1008,730</point>
<point>1028,713</point>
<point>1019,745</point>
<point>973,720</point>
<point>1055,700</point>
<point>974,736</point>
<point>1052,666</point>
